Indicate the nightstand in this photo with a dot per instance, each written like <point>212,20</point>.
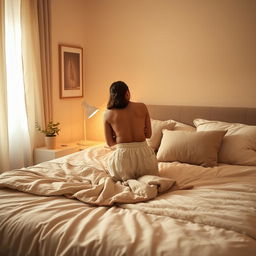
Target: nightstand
<point>43,154</point>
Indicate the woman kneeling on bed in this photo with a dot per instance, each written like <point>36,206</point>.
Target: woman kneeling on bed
<point>127,125</point>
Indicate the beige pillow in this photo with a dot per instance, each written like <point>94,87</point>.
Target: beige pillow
<point>183,127</point>
<point>157,127</point>
<point>200,148</point>
<point>239,143</point>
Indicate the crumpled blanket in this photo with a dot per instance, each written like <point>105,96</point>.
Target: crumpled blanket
<point>85,180</point>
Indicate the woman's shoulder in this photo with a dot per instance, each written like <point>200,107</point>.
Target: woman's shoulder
<point>138,104</point>
<point>107,113</point>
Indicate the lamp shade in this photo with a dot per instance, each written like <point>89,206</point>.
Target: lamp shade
<point>89,109</point>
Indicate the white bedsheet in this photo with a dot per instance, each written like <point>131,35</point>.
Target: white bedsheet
<point>216,217</point>
<point>86,180</point>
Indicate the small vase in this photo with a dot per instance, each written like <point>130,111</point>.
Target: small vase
<point>50,142</point>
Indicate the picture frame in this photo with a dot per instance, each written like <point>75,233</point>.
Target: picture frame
<point>71,71</point>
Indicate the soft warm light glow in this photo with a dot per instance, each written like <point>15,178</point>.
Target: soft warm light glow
<point>15,87</point>
<point>17,118</point>
<point>95,127</point>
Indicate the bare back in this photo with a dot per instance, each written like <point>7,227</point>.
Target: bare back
<point>130,124</point>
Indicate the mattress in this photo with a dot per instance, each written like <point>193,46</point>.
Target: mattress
<point>196,211</point>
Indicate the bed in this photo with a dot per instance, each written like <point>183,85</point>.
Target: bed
<point>203,202</point>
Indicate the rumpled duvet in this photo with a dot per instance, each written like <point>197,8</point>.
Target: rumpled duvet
<point>188,210</point>
<point>86,180</point>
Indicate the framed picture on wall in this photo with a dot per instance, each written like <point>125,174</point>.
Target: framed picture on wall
<point>71,71</point>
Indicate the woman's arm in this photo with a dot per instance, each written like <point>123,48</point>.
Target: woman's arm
<point>147,130</point>
<point>109,133</point>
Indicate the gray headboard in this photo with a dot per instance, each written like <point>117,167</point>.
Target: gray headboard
<point>186,114</point>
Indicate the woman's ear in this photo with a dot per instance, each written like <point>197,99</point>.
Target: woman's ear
<point>127,95</point>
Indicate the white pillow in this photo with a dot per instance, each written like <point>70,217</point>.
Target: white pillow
<point>200,148</point>
<point>239,143</point>
<point>157,126</point>
<point>183,127</point>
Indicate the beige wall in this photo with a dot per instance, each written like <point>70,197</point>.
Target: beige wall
<point>67,18</point>
<point>186,52</point>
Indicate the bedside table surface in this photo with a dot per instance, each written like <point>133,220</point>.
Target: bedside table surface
<point>60,147</point>
<point>43,154</point>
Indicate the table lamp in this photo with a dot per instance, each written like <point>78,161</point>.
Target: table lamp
<point>90,111</point>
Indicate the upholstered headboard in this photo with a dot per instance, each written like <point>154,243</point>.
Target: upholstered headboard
<point>186,114</point>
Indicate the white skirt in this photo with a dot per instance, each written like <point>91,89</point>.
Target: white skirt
<point>131,161</point>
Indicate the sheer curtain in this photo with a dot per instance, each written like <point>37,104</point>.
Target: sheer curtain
<point>32,67</point>
<point>21,94</point>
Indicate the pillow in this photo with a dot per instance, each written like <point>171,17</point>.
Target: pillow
<point>183,127</point>
<point>157,126</point>
<point>200,148</point>
<point>239,143</point>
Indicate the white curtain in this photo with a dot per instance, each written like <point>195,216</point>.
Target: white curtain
<point>21,83</point>
<point>32,68</point>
